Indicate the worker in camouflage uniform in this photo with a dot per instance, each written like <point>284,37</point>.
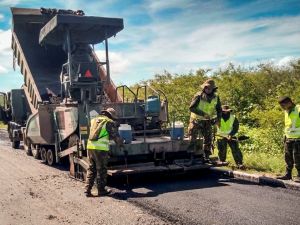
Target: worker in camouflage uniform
<point>292,137</point>
<point>205,113</point>
<point>226,134</point>
<point>102,129</point>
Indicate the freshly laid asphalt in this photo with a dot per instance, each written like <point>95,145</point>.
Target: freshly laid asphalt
<point>207,198</point>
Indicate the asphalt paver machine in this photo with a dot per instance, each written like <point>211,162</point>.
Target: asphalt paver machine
<point>66,85</point>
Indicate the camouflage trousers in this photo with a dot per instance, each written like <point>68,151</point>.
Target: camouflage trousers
<point>202,128</point>
<point>235,150</point>
<point>292,154</point>
<point>97,169</point>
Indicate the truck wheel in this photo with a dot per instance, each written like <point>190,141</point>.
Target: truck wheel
<point>15,144</point>
<point>35,152</point>
<point>44,155</point>
<point>50,157</point>
<point>9,133</point>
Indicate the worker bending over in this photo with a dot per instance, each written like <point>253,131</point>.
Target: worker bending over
<point>226,134</point>
<point>102,129</point>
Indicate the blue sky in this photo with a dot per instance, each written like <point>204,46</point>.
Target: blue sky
<point>177,35</point>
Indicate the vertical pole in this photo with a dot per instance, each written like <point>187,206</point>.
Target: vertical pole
<point>68,39</point>
<point>107,60</point>
<point>145,114</point>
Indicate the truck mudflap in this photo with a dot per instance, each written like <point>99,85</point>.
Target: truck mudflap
<point>142,168</point>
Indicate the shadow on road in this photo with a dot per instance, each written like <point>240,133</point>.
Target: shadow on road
<point>152,185</point>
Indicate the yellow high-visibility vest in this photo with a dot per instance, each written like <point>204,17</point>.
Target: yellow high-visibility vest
<point>208,108</point>
<point>226,126</point>
<point>292,123</point>
<point>102,144</point>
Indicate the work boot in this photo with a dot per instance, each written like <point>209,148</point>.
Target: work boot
<point>297,179</point>
<point>88,193</point>
<point>104,192</point>
<point>286,176</point>
<point>206,158</point>
<point>220,163</point>
<point>241,167</point>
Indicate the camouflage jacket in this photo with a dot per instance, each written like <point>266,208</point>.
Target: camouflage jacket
<point>201,96</point>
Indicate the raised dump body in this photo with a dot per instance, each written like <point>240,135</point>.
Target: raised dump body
<point>40,65</point>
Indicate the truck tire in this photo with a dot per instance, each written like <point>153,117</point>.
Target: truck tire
<point>9,133</point>
<point>44,155</point>
<point>15,144</point>
<point>50,157</point>
<point>35,152</point>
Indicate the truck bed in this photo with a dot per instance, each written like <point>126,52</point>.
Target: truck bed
<point>41,65</point>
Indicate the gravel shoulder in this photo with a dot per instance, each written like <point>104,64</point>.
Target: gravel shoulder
<point>33,193</point>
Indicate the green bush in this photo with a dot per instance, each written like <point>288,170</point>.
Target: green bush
<point>253,95</point>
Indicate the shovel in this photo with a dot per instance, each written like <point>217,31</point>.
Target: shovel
<point>239,138</point>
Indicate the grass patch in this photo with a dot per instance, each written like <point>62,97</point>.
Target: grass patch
<point>259,163</point>
<point>2,125</point>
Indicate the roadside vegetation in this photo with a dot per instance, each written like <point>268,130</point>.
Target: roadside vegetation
<point>2,125</point>
<point>253,95</point>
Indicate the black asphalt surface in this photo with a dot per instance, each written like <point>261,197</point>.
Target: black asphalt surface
<point>201,198</point>
<point>206,198</point>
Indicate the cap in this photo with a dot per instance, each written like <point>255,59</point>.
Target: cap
<point>284,99</point>
<point>209,83</point>
<point>111,112</point>
<point>226,108</point>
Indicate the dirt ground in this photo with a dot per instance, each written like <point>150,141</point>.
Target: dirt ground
<point>33,193</point>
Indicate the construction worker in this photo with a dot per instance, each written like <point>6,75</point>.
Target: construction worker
<point>205,112</point>
<point>226,131</point>
<point>292,137</point>
<point>103,128</point>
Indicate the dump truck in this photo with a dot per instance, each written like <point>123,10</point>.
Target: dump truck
<point>14,111</point>
<point>66,85</point>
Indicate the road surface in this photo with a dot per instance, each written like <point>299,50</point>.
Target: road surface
<point>34,193</point>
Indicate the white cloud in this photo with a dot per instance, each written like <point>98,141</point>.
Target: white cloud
<point>209,34</point>
<point>280,62</point>
<point>5,40</point>
<point>205,33</point>
<point>8,78</point>
<point>9,2</point>
<point>285,61</point>
<point>5,51</point>
<point>155,6</point>
<point>118,63</point>
<point>3,70</point>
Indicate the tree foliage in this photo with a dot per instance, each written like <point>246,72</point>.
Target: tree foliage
<point>251,92</point>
